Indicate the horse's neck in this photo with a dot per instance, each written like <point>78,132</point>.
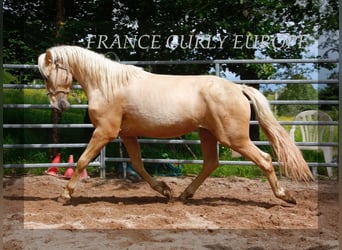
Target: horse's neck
<point>88,87</point>
<point>105,81</point>
<point>91,86</point>
<point>82,77</point>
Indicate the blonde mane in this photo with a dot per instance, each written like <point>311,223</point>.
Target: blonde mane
<point>95,68</point>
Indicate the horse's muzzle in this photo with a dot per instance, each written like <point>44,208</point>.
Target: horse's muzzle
<point>63,105</point>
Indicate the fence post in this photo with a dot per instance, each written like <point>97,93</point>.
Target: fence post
<point>217,72</point>
<point>103,163</point>
<point>217,69</point>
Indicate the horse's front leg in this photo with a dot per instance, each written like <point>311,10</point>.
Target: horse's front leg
<point>133,149</point>
<point>97,142</point>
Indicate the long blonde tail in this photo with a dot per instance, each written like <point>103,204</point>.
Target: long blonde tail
<point>289,156</point>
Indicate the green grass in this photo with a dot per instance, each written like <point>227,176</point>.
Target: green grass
<point>226,170</point>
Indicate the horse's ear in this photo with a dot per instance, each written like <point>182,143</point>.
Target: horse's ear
<point>48,58</point>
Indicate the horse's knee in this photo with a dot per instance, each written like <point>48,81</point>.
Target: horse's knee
<point>81,164</point>
<point>211,163</point>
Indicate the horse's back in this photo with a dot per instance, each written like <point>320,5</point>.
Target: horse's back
<point>167,106</point>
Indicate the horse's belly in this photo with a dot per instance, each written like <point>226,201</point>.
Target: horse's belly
<point>159,127</point>
<point>165,112</point>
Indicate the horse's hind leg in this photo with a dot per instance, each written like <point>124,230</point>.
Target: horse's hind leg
<point>133,149</point>
<point>264,161</point>
<point>210,162</point>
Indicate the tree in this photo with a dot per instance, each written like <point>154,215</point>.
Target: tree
<point>33,24</point>
<point>56,115</point>
<point>294,91</point>
<point>330,92</point>
<point>329,48</point>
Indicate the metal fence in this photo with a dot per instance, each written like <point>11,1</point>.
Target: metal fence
<point>102,160</point>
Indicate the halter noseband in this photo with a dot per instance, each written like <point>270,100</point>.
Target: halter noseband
<point>57,92</point>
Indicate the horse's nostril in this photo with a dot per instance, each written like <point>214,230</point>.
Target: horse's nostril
<point>63,105</point>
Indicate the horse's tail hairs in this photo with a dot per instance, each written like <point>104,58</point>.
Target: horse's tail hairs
<point>289,156</point>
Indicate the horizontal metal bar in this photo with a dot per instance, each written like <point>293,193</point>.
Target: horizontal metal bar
<point>161,141</point>
<point>318,144</point>
<point>233,61</point>
<point>287,81</point>
<point>224,61</point>
<point>47,165</point>
<point>49,145</point>
<point>313,123</point>
<point>258,143</point>
<point>23,86</point>
<point>310,60</point>
<point>84,106</point>
<point>178,161</point>
<point>20,126</point>
<point>273,81</point>
<point>152,141</point>
<point>310,144</point>
<point>171,161</point>
<point>97,164</point>
<point>34,86</point>
<point>306,102</point>
<point>20,66</point>
<point>42,106</point>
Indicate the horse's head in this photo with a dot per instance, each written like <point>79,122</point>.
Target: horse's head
<point>57,78</point>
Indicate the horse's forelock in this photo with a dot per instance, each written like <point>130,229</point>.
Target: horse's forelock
<point>60,55</point>
<point>41,65</point>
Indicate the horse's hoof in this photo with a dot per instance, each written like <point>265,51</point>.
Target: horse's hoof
<point>185,196</point>
<point>63,199</point>
<point>164,189</point>
<point>289,198</point>
<point>168,193</point>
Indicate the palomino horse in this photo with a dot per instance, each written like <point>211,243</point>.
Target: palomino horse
<point>127,101</point>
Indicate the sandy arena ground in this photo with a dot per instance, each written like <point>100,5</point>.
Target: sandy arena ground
<point>225,213</point>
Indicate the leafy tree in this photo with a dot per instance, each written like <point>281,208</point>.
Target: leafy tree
<point>27,30</point>
<point>329,48</point>
<point>297,92</point>
<point>34,23</point>
<point>330,92</point>
<point>328,28</point>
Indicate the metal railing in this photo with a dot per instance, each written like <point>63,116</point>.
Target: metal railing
<point>103,158</point>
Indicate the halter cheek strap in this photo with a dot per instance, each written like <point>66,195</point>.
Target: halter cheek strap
<point>54,93</point>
